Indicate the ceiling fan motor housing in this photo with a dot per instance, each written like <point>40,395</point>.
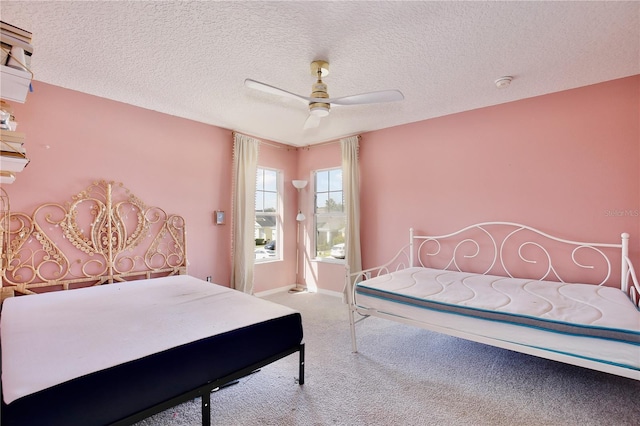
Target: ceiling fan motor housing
<point>321,109</point>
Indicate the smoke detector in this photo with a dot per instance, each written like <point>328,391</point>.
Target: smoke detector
<point>503,82</point>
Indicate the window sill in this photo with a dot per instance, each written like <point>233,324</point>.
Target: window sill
<point>264,261</point>
<point>329,260</point>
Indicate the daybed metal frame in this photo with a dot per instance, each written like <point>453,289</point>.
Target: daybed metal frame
<point>485,239</point>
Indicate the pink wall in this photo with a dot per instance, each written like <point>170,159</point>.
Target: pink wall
<point>567,163</point>
<point>179,165</point>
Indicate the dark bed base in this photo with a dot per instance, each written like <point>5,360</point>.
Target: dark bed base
<point>133,391</point>
<point>204,392</point>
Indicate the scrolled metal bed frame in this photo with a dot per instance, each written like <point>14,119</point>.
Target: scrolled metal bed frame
<point>483,252</point>
<point>116,237</point>
<point>105,234</point>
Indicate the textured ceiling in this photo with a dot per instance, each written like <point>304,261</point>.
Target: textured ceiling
<point>190,59</point>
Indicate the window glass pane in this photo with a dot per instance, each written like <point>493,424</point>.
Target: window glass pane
<point>265,228</point>
<point>330,232</point>
<point>267,224</point>
<point>330,221</point>
<point>322,181</point>
<point>270,180</point>
<point>321,202</point>
<point>334,202</point>
<point>270,202</point>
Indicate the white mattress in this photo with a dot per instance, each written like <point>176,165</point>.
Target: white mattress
<point>528,311</point>
<point>40,333</point>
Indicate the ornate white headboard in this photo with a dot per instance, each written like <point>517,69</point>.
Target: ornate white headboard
<point>104,234</point>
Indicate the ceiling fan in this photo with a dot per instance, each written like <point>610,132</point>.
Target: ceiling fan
<point>319,102</point>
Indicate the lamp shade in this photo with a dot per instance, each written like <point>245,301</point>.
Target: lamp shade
<point>300,217</point>
<point>299,184</point>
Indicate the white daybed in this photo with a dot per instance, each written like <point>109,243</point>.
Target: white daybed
<point>514,287</point>
<point>139,335</point>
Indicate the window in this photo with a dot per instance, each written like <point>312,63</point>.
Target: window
<point>330,220</point>
<point>268,218</point>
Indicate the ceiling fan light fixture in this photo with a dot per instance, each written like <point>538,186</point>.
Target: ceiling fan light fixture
<point>319,109</point>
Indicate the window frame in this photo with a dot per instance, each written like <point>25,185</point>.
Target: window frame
<point>324,217</point>
<point>277,214</point>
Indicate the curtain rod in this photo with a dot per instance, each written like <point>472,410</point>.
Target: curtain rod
<point>290,147</point>
<point>316,145</point>
<point>261,142</point>
<point>284,146</point>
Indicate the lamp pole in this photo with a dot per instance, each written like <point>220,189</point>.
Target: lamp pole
<point>298,184</point>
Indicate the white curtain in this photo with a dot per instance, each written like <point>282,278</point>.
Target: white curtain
<point>245,164</point>
<point>351,188</point>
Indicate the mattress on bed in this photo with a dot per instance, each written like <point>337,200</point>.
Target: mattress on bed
<point>594,322</point>
<point>96,355</point>
<point>581,309</point>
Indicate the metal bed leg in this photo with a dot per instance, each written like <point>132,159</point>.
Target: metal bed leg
<point>206,408</point>
<point>301,372</point>
<point>352,326</point>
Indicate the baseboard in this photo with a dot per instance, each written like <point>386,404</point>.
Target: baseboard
<point>331,293</point>
<point>289,287</point>
<point>274,291</point>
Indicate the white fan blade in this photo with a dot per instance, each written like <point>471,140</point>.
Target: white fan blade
<point>369,98</point>
<point>263,87</point>
<point>312,122</point>
<point>364,98</point>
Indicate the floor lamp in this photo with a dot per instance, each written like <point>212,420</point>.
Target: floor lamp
<point>298,184</point>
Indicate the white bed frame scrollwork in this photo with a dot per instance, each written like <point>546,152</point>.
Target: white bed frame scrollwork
<point>103,235</point>
<point>550,272</point>
<point>483,249</point>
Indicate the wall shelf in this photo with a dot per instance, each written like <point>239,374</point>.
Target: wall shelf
<point>13,164</point>
<point>14,84</point>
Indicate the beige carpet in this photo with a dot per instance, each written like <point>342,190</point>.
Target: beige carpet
<point>407,376</point>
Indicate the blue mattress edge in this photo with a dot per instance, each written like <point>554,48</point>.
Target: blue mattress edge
<point>609,333</point>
